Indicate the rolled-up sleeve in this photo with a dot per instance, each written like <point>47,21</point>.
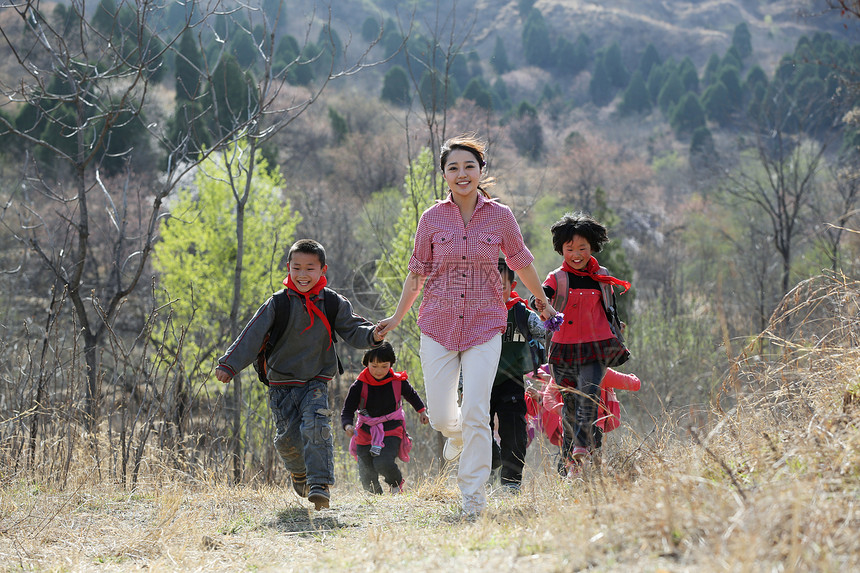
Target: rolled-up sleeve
<point>517,255</point>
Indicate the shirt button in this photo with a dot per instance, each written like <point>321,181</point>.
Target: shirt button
<point>462,296</point>
<point>461,316</point>
<point>464,237</point>
<point>464,257</point>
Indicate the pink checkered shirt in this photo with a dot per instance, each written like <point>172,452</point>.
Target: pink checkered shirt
<point>462,305</point>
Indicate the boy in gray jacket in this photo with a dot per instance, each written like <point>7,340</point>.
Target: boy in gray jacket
<point>299,367</point>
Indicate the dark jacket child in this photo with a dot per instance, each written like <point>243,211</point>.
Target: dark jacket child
<point>588,341</point>
<point>300,365</point>
<point>520,354</point>
<point>378,436</point>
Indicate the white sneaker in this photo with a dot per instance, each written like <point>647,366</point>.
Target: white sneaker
<point>452,449</point>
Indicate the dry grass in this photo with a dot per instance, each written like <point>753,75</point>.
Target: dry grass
<point>773,484</point>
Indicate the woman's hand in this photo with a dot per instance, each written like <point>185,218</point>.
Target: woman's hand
<point>385,326</point>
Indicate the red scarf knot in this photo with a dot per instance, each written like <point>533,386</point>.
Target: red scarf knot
<point>309,305</point>
<point>591,270</point>
<point>368,378</point>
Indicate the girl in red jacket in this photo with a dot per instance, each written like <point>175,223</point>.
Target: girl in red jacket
<point>586,342</point>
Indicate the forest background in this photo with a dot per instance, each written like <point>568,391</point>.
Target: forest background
<point>158,159</point>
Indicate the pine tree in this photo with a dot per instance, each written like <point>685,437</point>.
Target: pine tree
<point>536,44</point>
<point>671,93</point>
<point>650,58</point>
<point>615,68</point>
<point>600,87</point>
<point>499,59</point>
<point>688,115</point>
<point>395,86</point>
<point>742,40</point>
<point>636,98</point>
<point>189,65</point>
<point>716,103</point>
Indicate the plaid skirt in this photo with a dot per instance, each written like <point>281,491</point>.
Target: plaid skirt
<point>610,352</point>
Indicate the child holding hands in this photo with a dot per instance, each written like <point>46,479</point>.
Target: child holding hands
<point>378,436</point>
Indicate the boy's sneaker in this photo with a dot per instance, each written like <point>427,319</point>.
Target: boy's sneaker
<point>452,449</point>
<point>319,496</point>
<point>398,488</point>
<point>300,484</point>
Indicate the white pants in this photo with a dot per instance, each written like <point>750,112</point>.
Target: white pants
<point>471,423</point>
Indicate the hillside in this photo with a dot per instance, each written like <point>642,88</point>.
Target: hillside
<point>773,484</point>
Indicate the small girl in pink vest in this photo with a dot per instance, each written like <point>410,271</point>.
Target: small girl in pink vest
<point>373,417</point>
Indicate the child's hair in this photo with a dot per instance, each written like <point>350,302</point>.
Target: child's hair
<point>310,247</point>
<point>580,224</point>
<point>506,270</point>
<point>468,142</point>
<point>382,353</point>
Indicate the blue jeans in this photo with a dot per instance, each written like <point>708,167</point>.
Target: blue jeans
<point>303,430</point>
<point>580,408</point>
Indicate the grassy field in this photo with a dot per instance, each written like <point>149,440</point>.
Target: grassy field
<point>773,486</point>
<point>770,482</point>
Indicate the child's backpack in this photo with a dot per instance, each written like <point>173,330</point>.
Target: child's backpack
<point>607,298</point>
<point>396,386</point>
<point>521,321</point>
<point>281,300</point>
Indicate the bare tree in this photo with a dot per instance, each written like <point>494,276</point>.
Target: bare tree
<point>93,126</point>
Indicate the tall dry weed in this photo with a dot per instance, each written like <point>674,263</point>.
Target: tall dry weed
<point>771,483</point>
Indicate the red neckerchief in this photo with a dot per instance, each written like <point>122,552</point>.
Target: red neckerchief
<point>311,307</point>
<point>591,269</point>
<point>368,378</point>
<point>515,298</point>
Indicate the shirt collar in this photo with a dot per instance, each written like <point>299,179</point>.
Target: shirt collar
<point>481,200</point>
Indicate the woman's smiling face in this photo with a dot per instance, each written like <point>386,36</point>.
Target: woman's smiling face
<point>462,172</point>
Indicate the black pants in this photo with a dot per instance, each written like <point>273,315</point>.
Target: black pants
<point>507,401</point>
<point>385,464</point>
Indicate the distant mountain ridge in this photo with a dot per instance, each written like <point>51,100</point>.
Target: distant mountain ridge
<point>676,27</point>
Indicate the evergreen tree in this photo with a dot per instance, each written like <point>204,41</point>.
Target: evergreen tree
<point>709,76</point>
<point>527,132</point>
<point>370,29</point>
<point>650,58</point>
<point>702,144</point>
<point>656,79</point>
<point>755,77</point>
<point>499,59</point>
<point>536,44</point>
<point>636,98</point>
<point>688,115</point>
<point>671,93</point>
<point>232,94</point>
<point>615,68</point>
<point>189,65</point>
<point>742,40</point>
<point>731,79</point>
<point>688,74</point>
<point>395,86</point>
<point>581,55</point>
<point>459,70</point>
<point>339,125</point>
<point>732,59</point>
<point>524,7</point>
<point>600,87</point>
<point>501,98</point>
<point>478,91</point>
<point>716,103</point>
